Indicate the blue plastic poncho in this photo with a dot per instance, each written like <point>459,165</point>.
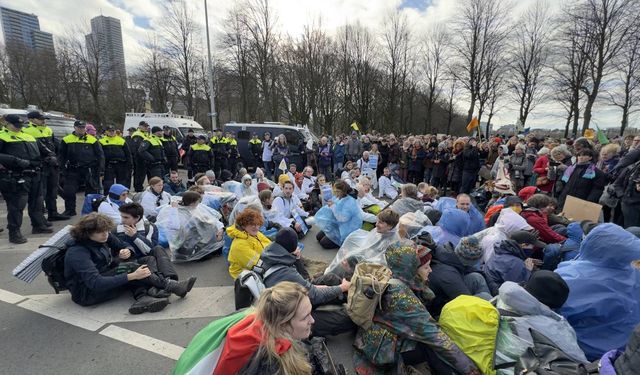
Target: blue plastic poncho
<point>339,220</point>
<point>604,298</point>
<point>476,219</point>
<point>451,227</point>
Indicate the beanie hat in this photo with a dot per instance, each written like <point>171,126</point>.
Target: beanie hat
<point>434,216</point>
<point>287,238</point>
<point>548,287</point>
<point>469,251</point>
<point>263,186</point>
<point>210,174</point>
<point>116,190</point>
<point>424,255</point>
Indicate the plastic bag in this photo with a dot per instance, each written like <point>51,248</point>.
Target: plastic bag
<point>339,221</point>
<point>413,222</point>
<point>361,246</point>
<point>191,233</point>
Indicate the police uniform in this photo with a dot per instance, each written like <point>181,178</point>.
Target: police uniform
<point>50,174</point>
<point>170,151</point>
<point>83,161</point>
<point>200,158</point>
<point>255,145</point>
<point>152,152</point>
<point>234,155</point>
<point>220,146</point>
<point>117,161</point>
<point>140,169</point>
<point>187,141</point>
<point>20,180</point>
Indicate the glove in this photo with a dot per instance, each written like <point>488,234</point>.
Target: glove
<point>51,161</point>
<point>22,163</point>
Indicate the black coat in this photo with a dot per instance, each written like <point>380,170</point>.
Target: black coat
<point>583,188</point>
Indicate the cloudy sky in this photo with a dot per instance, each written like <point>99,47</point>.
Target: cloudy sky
<point>139,18</point>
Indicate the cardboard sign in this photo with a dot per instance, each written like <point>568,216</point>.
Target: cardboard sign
<point>577,209</point>
<point>373,162</point>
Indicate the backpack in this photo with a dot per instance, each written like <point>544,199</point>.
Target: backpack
<point>53,267</point>
<point>92,202</point>
<point>368,283</point>
<point>250,283</point>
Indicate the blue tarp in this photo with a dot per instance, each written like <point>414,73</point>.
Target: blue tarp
<point>604,298</point>
<point>476,219</point>
<point>340,220</point>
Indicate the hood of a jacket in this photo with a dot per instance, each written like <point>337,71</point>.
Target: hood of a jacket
<point>514,298</point>
<point>574,232</point>
<point>403,261</point>
<point>234,233</point>
<point>509,221</point>
<point>510,247</point>
<point>445,254</point>
<point>608,245</point>
<point>276,254</point>
<point>455,221</point>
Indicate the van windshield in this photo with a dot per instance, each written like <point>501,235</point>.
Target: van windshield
<point>184,130</point>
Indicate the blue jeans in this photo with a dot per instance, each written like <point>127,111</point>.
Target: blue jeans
<point>337,166</point>
<point>268,169</point>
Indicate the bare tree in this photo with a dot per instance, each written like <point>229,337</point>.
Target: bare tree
<point>396,43</point>
<point>452,90</point>
<point>608,24</point>
<point>433,67</point>
<point>481,29</point>
<point>157,74</point>
<point>626,96</point>
<point>181,45</point>
<point>530,50</point>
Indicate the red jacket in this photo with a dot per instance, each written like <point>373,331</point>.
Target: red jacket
<point>539,222</point>
<point>540,167</point>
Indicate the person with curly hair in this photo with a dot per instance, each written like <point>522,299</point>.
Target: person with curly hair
<point>247,241</point>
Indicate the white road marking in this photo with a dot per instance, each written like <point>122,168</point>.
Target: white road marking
<point>145,342</point>
<point>10,297</point>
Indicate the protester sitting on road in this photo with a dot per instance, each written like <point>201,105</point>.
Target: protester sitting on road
<point>385,185</point>
<point>455,272</point>
<point>284,253</point>
<point>338,218</point>
<point>511,201</point>
<point>277,190</point>
<point>142,236</point>
<point>512,260</point>
<point>403,322</point>
<point>539,206</point>
<point>408,201</point>
<point>247,241</point>
<point>288,208</point>
<point>604,282</point>
<point>269,340</point>
<point>246,188</point>
<point>154,197</point>
<point>532,306</point>
<point>173,184</point>
<point>98,266</point>
<point>118,195</point>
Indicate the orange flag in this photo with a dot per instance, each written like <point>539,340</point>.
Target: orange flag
<point>473,124</point>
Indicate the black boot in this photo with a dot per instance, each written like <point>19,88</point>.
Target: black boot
<point>16,237</point>
<point>158,293</point>
<point>48,224</point>
<point>69,213</point>
<point>38,230</point>
<point>54,216</point>
<point>148,304</point>
<point>180,288</point>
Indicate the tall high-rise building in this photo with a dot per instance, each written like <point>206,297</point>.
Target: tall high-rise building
<point>105,43</point>
<point>23,29</point>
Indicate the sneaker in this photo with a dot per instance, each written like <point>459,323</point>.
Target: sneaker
<point>148,304</point>
<point>54,216</point>
<point>40,230</point>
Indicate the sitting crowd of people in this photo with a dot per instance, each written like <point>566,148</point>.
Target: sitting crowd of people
<point>496,243</point>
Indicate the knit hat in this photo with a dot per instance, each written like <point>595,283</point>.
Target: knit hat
<point>156,129</point>
<point>469,251</point>
<point>527,192</point>
<point>287,238</point>
<point>283,178</point>
<point>263,186</point>
<point>210,174</point>
<point>523,236</point>
<point>544,151</point>
<point>118,189</point>
<point>424,255</point>
<point>434,216</point>
<point>548,287</point>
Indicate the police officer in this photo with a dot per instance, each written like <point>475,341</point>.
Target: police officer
<point>20,176</point>
<point>152,152</point>
<point>234,155</point>
<point>170,148</point>
<point>82,158</point>
<point>189,140</point>
<point>117,159</point>
<point>255,146</point>
<point>200,156</point>
<point>50,174</point>
<point>140,168</point>
<point>220,148</point>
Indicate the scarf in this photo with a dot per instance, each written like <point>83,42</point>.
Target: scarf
<point>589,173</point>
<point>114,199</point>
